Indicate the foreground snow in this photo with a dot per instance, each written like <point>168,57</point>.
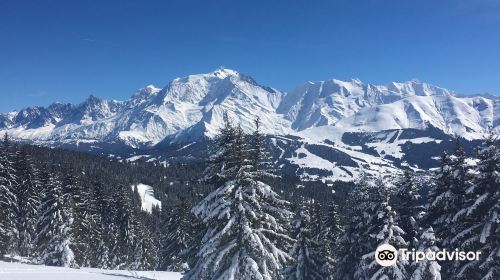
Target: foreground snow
<point>18,271</point>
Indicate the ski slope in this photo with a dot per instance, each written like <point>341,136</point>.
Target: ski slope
<point>18,271</point>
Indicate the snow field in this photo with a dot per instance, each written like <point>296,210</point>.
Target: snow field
<point>19,271</point>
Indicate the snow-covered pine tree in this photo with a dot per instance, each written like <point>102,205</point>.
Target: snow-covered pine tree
<point>260,159</point>
<point>406,201</point>
<point>126,231</point>
<point>438,212</point>
<point>93,230</point>
<point>355,241</point>
<point>361,209</point>
<point>177,236</point>
<point>154,227</point>
<point>223,161</point>
<point>102,254</point>
<point>316,218</point>
<point>385,230</point>
<point>28,201</point>
<point>371,222</point>
<point>83,223</point>
<point>275,216</point>
<point>427,269</point>
<point>447,200</point>
<point>70,185</point>
<point>308,263</point>
<point>54,224</point>
<point>481,217</point>
<point>136,199</point>
<point>245,218</point>
<point>332,230</point>
<point>144,255</point>
<point>198,229</point>
<point>8,200</point>
<point>103,224</point>
<point>166,214</point>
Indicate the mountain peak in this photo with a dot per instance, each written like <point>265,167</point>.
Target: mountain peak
<point>196,103</point>
<point>220,73</point>
<point>225,72</point>
<point>145,92</point>
<point>151,89</point>
<point>357,81</point>
<point>93,99</point>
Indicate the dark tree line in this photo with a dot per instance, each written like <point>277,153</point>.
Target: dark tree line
<point>460,212</point>
<point>325,239</point>
<point>71,209</point>
<point>236,218</point>
<point>51,217</point>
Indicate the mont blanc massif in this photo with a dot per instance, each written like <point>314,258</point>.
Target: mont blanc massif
<point>329,130</point>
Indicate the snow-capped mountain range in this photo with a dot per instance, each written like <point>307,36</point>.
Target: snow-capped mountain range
<point>191,108</point>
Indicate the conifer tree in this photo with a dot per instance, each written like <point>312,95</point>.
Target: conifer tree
<point>198,230</point>
<point>385,230</point>
<point>332,230</point>
<point>81,229</point>
<point>481,218</point>
<point>244,217</point>
<point>154,227</point>
<point>177,237</point>
<point>103,258</point>
<point>126,231</point>
<point>223,160</point>
<point>28,201</point>
<point>8,201</point>
<point>98,227</point>
<point>144,255</point>
<point>355,242</point>
<point>260,159</point>
<point>407,204</point>
<point>316,218</point>
<point>54,224</point>
<point>308,263</point>
<point>446,203</point>
<point>427,269</point>
<point>372,222</point>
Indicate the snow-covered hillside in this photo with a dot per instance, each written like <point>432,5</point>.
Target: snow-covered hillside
<point>147,197</point>
<point>194,103</point>
<point>191,108</point>
<point>465,117</point>
<point>327,102</point>
<point>18,271</point>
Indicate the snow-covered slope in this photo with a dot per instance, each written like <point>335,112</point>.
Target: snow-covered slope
<point>192,107</point>
<point>18,271</point>
<point>465,117</point>
<point>225,91</point>
<point>326,102</point>
<point>147,197</point>
<point>196,101</point>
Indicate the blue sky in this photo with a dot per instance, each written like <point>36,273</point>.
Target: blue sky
<point>67,50</point>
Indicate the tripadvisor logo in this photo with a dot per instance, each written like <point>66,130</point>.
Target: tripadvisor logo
<point>387,255</point>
